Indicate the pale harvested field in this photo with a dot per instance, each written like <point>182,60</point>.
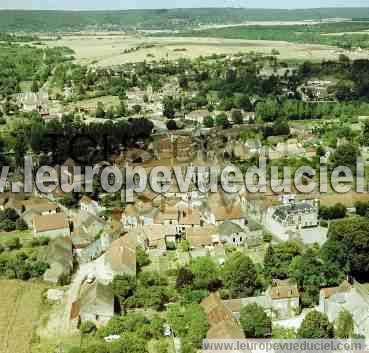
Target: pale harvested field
<point>107,50</point>
<point>20,312</point>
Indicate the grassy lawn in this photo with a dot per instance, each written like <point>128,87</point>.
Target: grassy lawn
<point>21,306</point>
<point>257,254</point>
<point>24,236</point>
<point>91,103</point>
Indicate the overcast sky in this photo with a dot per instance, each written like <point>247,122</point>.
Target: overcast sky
<point>151,4</point>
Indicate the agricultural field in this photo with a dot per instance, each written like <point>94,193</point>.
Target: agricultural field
<point>91,103</point>
<point>21,307</point>
<point>109,50</point>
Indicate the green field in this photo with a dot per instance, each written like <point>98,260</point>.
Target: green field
<point>21,307</point>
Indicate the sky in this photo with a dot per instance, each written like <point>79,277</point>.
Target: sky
<point>154,4</point>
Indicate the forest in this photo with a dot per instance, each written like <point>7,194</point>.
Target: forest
<point>345,35</point>
<point>59,21</point>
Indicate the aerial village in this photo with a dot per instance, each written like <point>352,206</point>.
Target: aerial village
<point>167,270</point>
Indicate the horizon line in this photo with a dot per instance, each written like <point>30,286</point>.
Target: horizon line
<point>190,8</point>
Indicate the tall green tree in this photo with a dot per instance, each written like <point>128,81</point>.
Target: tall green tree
<point>344,325</point>
<point>315,325</point>
<point>255,322</point>
<point>239,275</point>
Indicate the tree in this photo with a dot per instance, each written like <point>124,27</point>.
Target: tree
<point>189,322</point>
<point>35,86</point>
<point>137,109</point>
<point>11,214</point>
<point>243,102</point>
<point>87,328</point>
<point>315,325</point>
<point>255,322</point>
<point>205,272</point>
<point>183,82</point>
<point>172,125</point>
<point>237,116</point>
<point>184,278</point>
<point>13,244</point>
<point>123,286</point>
<point>346,155</point>
<point>20,148</point>
<point>169,108</point>
<point>344,325</point>
<point>239,275</point>
<point>348,246</point>
<point>20,224</point>
<point>222,120</point>
<point>130,342</point>
<point>280,332</point>
<point>109,114</point>
<point>278,258</point>
<point>142,259</point>
<point>7,225</point>
<point>208,121</point>
<point>100,111</point>
<point>337,211</point>
<point>306,270</point>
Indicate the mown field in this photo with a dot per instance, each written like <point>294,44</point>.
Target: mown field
<point>107,50</point>
<point>21,307</point>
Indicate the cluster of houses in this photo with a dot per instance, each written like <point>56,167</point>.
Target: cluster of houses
<point>281,302</point>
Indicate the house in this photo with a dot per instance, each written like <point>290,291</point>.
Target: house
<point>201,237</point>
<point>96,303</point>
<point>89,205</point>
<point>189,218</point>
<point>31,101</point>
<point>253,146</point>
<point>232,213</point>
<point>37,207</point>
<point>85,222</point>
<point>51,225</point>
<point>60,260</point>
<point>41,205</point>
<point>139,214</point>
<point>289,149</point>
<point>235,305</point>
<point>353,298</point>
<point>297,214</point>
<point>231,233</point>
<point>222,324</point>
<point>89,237</point>
<point>285,299</point>
<point>4,197</point>
<point>198,116</point>
<point>158,236</point>
<point>121,257</point>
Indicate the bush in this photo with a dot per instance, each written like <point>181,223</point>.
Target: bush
<point>267,237</point>
<point>34,243</point>
<point>171,245</point>
<point>20,224</point>
<point>255,322</point>
<point>13,244</point>
<point>172,125</point>
<point>7,225</point>
<point>87,328</point>
<point>44,241</point>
